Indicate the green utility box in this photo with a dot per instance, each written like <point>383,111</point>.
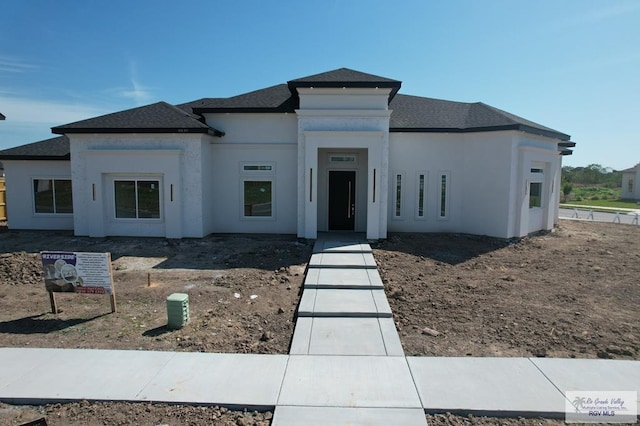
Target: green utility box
<point>177,310</point>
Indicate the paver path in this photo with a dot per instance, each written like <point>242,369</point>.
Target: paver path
<point>347,365</point>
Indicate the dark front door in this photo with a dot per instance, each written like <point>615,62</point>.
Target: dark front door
<point>342,200</point>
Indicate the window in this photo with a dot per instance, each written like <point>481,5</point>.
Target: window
<point>257,168</point>
<point>137,199</point>
<point>421,194</point>
<point>444,195</point>
<point>258,201</point>
<point>630,185</point>
<point>537,170</point>
<point>535,194</point>
<point>52,196</point>
<point>397,195</point>
<point>342,158</point>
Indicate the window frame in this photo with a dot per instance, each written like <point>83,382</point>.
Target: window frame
<point>53,189</point>
<point>425,192</point>
<point>137,179</point>
<point>397,211</point>
<point>444,195</point>
<point>259,174</point>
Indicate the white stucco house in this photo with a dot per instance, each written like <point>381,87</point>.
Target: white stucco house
<point>630,181</point>
<point>341,150</point>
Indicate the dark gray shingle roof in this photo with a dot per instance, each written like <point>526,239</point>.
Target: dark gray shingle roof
<point>160,117</point>
<point>418,114</point>
<point>272,99</point>
<point>49,149</point>
<point>2,117</point>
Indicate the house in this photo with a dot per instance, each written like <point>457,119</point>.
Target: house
<point>630,181</point>
<point>342,150</point>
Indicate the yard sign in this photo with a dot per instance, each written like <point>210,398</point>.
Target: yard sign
<point>75,272</point>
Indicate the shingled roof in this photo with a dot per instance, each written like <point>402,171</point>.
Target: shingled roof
<point>418,114</point>
<point>409,113</point>
<point>160,117</point>
<point>2,117</point>
<point>49,149</point>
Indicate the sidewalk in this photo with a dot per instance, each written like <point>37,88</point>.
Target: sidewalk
<point>346,366</point>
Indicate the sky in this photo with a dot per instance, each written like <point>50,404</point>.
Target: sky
<point>572,65</point>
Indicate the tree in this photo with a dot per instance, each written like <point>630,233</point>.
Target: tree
<point>566,190</point>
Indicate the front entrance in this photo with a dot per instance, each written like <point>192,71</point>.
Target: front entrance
<point>342,200</point>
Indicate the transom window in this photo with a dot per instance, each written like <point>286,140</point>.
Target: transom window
<point>342,158</point>
<point>52,196</point>
<point>137,199</point>
<point>257,167</point>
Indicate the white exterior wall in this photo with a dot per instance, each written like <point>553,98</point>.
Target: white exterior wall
<point>343,119</point>
<point>20,198</point>
<point>633,178</point>
<point>487,187</point>
<point>251,139</point>
<point>174,159</point>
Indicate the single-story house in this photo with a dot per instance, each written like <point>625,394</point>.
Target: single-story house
<point>340,150</point>
<point>630,181</point>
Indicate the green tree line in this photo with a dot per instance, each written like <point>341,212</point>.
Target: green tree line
<point>593,174</point>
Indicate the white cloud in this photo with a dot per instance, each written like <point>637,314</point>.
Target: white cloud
<point>139,94</point>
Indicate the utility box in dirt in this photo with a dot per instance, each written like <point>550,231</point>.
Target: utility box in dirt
<point>177,310</point>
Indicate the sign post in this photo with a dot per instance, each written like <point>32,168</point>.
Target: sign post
<point>76,272</point>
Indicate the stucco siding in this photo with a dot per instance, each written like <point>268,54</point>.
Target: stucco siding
<point>227,207</point>
<point>21,212</point>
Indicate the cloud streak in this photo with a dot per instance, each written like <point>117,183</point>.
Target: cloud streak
<point>13,65</point>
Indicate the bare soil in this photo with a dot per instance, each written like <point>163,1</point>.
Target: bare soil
<point>570,293</point>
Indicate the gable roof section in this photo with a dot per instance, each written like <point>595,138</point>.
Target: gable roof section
<point>2,117</point>
<point>155,118</point>
<point>427,115</point>
<point>50,149</point>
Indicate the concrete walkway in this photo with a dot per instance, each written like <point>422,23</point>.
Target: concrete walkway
<point>346,366</point>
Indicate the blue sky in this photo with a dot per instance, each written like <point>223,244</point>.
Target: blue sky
<point>573,65</point>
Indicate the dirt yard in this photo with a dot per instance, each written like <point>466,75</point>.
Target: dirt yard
<point>570,293</point>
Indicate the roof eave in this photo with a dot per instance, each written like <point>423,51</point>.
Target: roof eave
<point>63,131</point>
<point>66,157</point>
<point>520,127</point>
<point>249,110</point>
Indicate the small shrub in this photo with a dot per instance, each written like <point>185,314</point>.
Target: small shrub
<point>594,198</point>
<point>578,198</point>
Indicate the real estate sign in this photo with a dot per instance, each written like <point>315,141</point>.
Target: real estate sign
<point>77,272</point>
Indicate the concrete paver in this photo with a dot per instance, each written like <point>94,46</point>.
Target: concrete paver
<point>591,374</point>
<point>342,260</point>
<point>491,386</point>
<point>346,336</point>
<point>322,416</point>
<point>348,381</point>
<point>344,303</point>
<point>342,278</point>
<point>341,247</point>
<point>224,379</point>
<point>41,375</point>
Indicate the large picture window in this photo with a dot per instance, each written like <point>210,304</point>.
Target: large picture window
<point>52,196</point>
<point>137,199</point>
<point>258,198</point>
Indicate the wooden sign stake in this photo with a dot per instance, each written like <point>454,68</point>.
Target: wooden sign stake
<point>54,305</point>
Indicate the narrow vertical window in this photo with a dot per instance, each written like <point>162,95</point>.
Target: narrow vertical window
<point>630,185</point>
<point>421,195</point>
<point>398,205</point>
<point>444,195</point>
